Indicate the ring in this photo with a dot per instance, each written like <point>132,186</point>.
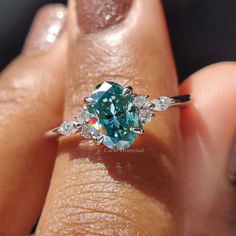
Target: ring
<point>114,115</point>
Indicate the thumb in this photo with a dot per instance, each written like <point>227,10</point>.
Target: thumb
<point>209,131</point>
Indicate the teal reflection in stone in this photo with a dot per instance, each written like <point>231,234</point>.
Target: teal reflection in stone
<point>113,115</point>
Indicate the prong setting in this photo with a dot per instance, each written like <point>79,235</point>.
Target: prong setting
<point>153,116</point>
<point>85,107</point>
<point>77,126</point>
<point>139,131</point>
<point>127,90</point>
<point>99,140</point>
<point>114,116</point>
<point>89,100</point>
<point>151,106</point>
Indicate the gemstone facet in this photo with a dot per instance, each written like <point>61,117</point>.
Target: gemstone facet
<point>86,132</point>
<point>68,128</point>
<point>162,103</point>
<point>113,115</point>
<point>82,117</point>
<point>140,101</point>
<point>146,115</point>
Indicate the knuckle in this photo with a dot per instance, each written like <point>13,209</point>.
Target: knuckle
<point>92,203</point>
<point>26,87</point>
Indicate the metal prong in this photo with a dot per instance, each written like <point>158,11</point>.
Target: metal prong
<point>127,90</point>
<point>99,140</point>
<point>139,131</point>
<point>78,126</point>
<point>151,106</point>
<point>88,100</point>
<point>85,107</point>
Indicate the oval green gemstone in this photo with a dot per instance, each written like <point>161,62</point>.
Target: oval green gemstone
<point>113,115</point>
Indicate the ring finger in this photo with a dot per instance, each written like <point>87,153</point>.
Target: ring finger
<point>94,192</point>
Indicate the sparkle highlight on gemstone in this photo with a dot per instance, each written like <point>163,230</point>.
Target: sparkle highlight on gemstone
<point>113,115</point>
<point>68,128</point>
<point>162,103</point>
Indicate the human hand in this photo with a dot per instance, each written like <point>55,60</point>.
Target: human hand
<point>171,188</point>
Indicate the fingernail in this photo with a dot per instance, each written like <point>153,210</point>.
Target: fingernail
<point>231,170</point>
<point>46,28</point>
<point>97,15</point>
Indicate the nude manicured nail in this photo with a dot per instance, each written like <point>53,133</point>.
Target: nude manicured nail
<point>97,15</point>
<point>231,170</point>
<point>46,28</point>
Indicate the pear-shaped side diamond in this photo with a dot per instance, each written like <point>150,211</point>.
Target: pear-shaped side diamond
<point>143,108</point>
<point>146,115</point>
<point>68,128</point>
<point>140,100</point>
<point>162,103</point>
<point>83,116</point>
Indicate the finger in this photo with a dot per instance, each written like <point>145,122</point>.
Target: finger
<point>31,94</point>
<point>93,192</point>
<point>209,135</point>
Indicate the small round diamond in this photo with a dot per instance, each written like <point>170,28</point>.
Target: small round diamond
<point>82,116</point>
<point>68,128</point>
<point>143,108</point>
<point>161,103</point>
<point>146,115</point>
<point>89,130</point>
<point>86,131</point>
<point>140,100</point>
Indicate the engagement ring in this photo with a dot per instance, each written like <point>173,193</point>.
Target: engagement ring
<point>114,115</point>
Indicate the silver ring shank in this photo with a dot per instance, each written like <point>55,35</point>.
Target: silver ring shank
<point>174,101</point>
<point>181,100</point>
<point>52,133</point>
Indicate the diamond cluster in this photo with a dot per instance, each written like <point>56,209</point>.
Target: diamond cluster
<point>80,125</point>
<point>114,116</point>
<point>143,108</point>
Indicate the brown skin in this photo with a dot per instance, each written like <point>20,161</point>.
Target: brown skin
<point>28,107</point>
<point>129,191</point>
<point>209,133</point>
<point>100,193</point>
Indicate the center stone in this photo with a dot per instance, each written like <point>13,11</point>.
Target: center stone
<point>113,115</point>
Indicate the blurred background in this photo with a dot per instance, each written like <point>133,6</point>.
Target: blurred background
<point>202,31</point>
